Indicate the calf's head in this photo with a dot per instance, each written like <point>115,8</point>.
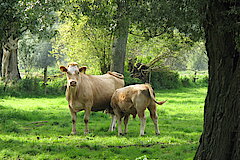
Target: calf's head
<point>73,73</point>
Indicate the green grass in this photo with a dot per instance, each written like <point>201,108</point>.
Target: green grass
<point>38,128</point>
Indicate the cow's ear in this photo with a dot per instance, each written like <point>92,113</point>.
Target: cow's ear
<point>83,69</point>
<point>63,69</point>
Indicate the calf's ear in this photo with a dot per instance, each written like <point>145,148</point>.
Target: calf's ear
<point>83,69</point>
<point>63,69</point>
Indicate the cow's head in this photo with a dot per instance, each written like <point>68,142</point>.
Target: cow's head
<point>73,73</point>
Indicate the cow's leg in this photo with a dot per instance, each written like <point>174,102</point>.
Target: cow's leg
<point>86,120</point>
<point>142,118</point>
<point>113,122</point>
<point>74,120</point>
<point>154,116</point>
<point>119,119</point>
<point>126,118</point>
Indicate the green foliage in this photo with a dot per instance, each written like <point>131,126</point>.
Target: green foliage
<point>32,86</point>
<point>17,16</point>
<point>165,80</point>
<point>38,128</point>
<point>194,78</point>
<point>130,80</point>
<point>168,49</point>
<point>171,79</point>
<point>197,59</point>
<point>26,51</point>
<point>84,44</point>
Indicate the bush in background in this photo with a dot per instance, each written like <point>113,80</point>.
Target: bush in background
<point>32,86</point>
<point>130,80</point>
<point>56,85</point>
<point>165,80</point>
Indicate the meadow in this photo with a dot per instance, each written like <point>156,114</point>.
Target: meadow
<point>39,128</point>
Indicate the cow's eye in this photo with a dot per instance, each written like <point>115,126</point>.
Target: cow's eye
<point>77,72</point>
<point>68,72</point>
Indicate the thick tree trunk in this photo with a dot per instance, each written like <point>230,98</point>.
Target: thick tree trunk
<point>120,38</point>
<point>10,69</point>
<point>220,139</point>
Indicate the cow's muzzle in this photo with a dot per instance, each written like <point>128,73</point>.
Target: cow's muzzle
<point>73,83</point>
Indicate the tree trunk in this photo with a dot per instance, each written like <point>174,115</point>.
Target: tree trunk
<point>45,78</point>
<point>220,139</point>
<point>10,69</point>
<point>120,38</point>
<point>1,55</point>
<point>104,63</point>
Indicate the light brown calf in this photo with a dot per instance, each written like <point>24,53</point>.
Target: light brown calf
<point>89,92</point>
<point>134,100</point>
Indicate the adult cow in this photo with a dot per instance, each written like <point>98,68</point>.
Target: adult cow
<point>134,99</point>
<point>89,92</point>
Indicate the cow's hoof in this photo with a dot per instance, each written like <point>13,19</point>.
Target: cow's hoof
<point>158,134</point>
<point>86,133</point>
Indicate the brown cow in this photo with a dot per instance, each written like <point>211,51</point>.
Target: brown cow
<point>134,100</point>
<point>89,92</point>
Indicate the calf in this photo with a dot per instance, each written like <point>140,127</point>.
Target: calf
<point>89,92</point>
<point>134,100</point>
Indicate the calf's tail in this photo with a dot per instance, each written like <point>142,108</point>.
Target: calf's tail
<point>152,95</point>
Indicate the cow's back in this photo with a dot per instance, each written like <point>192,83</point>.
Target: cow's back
<point>102,88</point>
<point>127,97</point>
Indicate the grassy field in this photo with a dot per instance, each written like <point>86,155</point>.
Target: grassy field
<point>38,128</point>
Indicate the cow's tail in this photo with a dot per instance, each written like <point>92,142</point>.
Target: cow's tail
<point>116,74</point>
<point>152,95</point>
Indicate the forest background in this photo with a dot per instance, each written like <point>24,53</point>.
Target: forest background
<point>41,35</point>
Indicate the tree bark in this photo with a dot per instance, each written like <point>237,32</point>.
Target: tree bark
<point>120,38</point>
<point>1,55</point>
<point>220,139</point>
<point>10,69</point>
<point>45,79</point>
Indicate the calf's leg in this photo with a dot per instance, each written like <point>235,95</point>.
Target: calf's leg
<point>126,118</point>
<point>154,117</point>
<point>74,119</point>
<point>119,119</point>
<point>113,123</point>
<point>142,118</point>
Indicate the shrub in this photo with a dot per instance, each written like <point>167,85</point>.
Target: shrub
<point>32,86</point>
<point>56,86</point>
<point>186,82</point>
<point>130,80</point>
<point>165,80</point>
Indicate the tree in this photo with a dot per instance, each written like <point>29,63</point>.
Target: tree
<point>16,18</point>
<point>197,57</point>
<point>167,49</point>
<point>153,18</point>
<point>26,52</point>
<point>44,57</point>
<point>85,44</point>
<point>221,133</point>
<point>120,36</point>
